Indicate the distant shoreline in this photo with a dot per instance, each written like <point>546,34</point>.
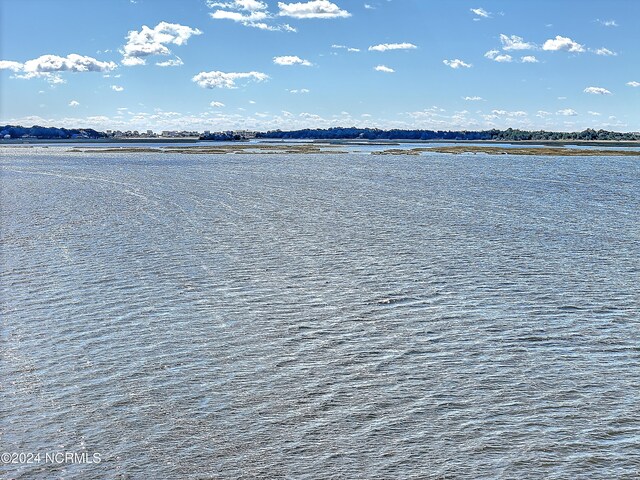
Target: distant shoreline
<point>141,140</point>
<point>27,141</point>
<point>551,143</point>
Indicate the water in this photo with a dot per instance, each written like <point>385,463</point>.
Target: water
<point>321,316</point>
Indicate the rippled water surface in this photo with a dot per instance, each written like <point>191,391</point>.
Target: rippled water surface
<point>320,316</point>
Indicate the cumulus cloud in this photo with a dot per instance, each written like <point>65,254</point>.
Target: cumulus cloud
<point>605,52</point>
<point>496,56</point>
<point>472,99</point>
<point>218,79</point>
<point>633,84</point>
<point>288,60</point>
<point>529,59</point>
<point>312,9</point>
<point>301,90</point>
<point>562,43</point>
<point>595,114</point>
<point>72,63</point>
<point>74,103</point>
<point>9,65</point>
<point>515,42</point>
<point>250,13</point>
<point>567,112</point>
<point>117,88</point>
<point>174,62</point>
<point>49,64</point>
<point>49,67</point>
<point>480,13</point>
<point>215,104</point>
<point>383,47</point>
<point>597,91</point>
<point>456,63</point>
<point>383,68</point>
<point>153,41</point>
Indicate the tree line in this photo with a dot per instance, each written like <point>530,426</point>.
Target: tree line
<point>351,133</point>
<point>16,131</point>
<point>510,134</point>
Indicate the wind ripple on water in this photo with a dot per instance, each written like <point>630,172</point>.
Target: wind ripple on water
<point>321,316</point>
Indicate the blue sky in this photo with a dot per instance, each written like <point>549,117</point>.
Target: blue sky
<point>251,64</point>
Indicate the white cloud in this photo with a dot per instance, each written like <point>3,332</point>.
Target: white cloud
<point>595,114</point>
<point>384,68</point>
<point>383,47</point>
<point>312,9</point>
<point>542,114</point>
<point>117,88</point>
<point>49,67</point>
<point>154,41</point>
<point>250,13</point>
<point>301,90</point>
<point>174,62</point>
<point>505,113</point>
<point>288,60</point>
<point>251,18</point>
<point>529,59</point>
<point>344,47</point>
<point>369,7</point>
<point>515,42</point>
<point>567,112</point>
<point>480,12</point>
<point>633,84</point>
<point>311,116</point>
<point>72,63</point>
<point>496,56</point>
<point>472,99</point>
<point>607,23</point>
<point>9,65</point>
<point>562,43</point>
<point>218,79</point>
<point>52,78</point>
<point>503,58</point>
<point>456,63</point>
<point>597,91</point>
<point>248,5</point>
<point>215,104</point>
<point>604,52</point>
<point>74,103</point>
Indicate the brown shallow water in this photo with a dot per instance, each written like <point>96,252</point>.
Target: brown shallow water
<point>320,316</point>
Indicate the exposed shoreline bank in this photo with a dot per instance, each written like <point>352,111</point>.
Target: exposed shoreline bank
<point>316,148</point>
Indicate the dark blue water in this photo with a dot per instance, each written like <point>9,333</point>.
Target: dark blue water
<point>320,316</point>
